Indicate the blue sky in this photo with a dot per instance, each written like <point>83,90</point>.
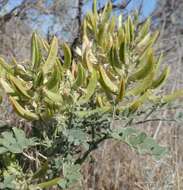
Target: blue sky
<point>148,7</point>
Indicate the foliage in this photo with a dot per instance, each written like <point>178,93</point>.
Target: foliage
<point>139,140</point>
<point>73,102</point>
<point>15,142</point>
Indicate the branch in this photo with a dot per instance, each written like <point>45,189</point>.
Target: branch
<point>151,120</point>
<point>79,20</point>
<point>92,147</point>
<point>3,3</point>
<point>140,7</point>
<point>118,6</point>
<point>21,9</point>
<point>16,11</point>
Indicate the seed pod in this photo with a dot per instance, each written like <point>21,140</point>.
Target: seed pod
<point>144,71</point>
<point>20,87</point>
<point>35,52</point>
<point>67,56</point>
<point>105,81</point>
<point>25,113</point>
<point>90,90</point>
<point>121,90</point>
<point>161,79</point>
<point>80,79</point>
<point>52,56</point>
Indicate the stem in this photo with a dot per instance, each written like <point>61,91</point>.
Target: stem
<point>113,116</point>
<point>151,111</point>
<point>29,157</point>
<point>46,184</point>
<point>91,148</point>
<point>41,155</point>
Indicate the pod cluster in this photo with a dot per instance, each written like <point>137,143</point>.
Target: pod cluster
<point>115,65</point>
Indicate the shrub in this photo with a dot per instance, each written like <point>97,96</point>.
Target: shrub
<point>73,103</point>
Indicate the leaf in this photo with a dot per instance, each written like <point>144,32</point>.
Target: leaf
<point>71,173</point>
<point>52,56</point>
<point>7,183</point>
<point>149,146</point>
<point>3,150</point>
<point>21,139</point>
<point>139,141</point>
<point>76,136</point>
<point>15,141</point>
<point>9,142</point>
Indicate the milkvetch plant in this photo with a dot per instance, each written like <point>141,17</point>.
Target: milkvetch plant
<point>115,73</point>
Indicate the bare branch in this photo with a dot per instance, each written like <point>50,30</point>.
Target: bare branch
<point>16,11</point>
<point>121,6</point>
<point>79,19</point>
<point>153,120</point>
<point>3,3</point>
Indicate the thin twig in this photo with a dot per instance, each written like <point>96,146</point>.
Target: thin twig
<point>91,148</point>
<point>29,157</point>
<point>41,155</point>
<point>151,120</point>
<point>118,6</point>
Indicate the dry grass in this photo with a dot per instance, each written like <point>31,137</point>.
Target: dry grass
<point>116,167</point>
